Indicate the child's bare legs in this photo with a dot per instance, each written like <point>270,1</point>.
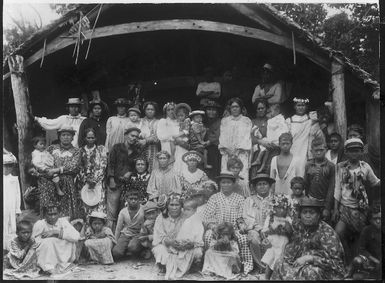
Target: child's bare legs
<point>56,180</point>
<point>207,166</point>
<point>268,272</point>
<point>261,160</point>
<point>172,149</point>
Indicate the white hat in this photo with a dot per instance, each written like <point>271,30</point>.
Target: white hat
<point>74,101</point>
<point>98,214</point>
<point>91,196</point>
<point>8,157</point>
<point>354,142</point>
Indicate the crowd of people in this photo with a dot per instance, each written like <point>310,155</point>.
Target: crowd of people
<point>199,190</point>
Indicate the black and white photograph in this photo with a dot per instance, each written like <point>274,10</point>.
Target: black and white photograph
<point>204,141</point>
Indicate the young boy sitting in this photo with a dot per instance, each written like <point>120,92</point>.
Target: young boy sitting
<point>367,265</point>
<point>151,211</point>
<point>320,177</point>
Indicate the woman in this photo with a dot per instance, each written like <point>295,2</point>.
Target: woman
<point>168,129</point>
<point>117,124</point>
<point>93,163</point>
<point>163,180</point>
<point>314,252</point>
<point>182,111</point>
<point>149,129</point>
<point>167,251</point>
<point>67,164</point>
<point>192,178</point>
<point>213,124</point>
<point>235,137</point>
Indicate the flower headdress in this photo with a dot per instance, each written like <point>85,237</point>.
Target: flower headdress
<point>167,105</point>
<point>301,100</point>
<point>281,200</point>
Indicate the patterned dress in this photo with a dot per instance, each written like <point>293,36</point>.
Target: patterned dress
<point>93,167</point>
<point>322,243</point>
<point>99,245</point>
<point>136,182</point>
<point>69,160</point>
<point>149,128</point>
<point>192,181</point>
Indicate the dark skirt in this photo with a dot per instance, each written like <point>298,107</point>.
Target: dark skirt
<point>214,159</point>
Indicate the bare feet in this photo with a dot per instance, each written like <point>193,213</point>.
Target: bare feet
<point>60,192</point>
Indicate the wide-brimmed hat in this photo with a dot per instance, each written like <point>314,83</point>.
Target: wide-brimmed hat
<point>91,196</point>
<point>262,176</point>
<point>225,175</point>
<point>8,157</point>
<point>191,155</point>
<point>310,202</point>
<point>212,103</point>
<point>121,102</point>
<point>74,101</point>
<point>182,105</point>
<point>66,128</point>
<point>98,214</point>
<point>130,129</point>
<point>354,143</point>
<point>197,112</point>
<point>135,110</point>
<point>150,206</point>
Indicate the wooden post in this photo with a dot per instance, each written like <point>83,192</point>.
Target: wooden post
<point>23,116</point>
<point>338,88</point>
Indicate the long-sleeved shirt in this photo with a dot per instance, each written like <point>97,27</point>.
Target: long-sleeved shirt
<point>166,227</point>
<point>221,208</point>
<point>98,125</point>
<point>120,162</point>
<point>17,252</point>
<point>235,133</point>
<point>68,120</point>
<point>320,181</point>
<point>255,211</point>
<point>163,181</point>
<point>129,226</point>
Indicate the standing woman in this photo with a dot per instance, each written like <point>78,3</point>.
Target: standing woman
<point>67,164</point>
<point>93,163</point>
<point>213,125</point>
<point>235,137</point>
<point>149,128</point>
<point>117,124</point>
<point>168,128</point>
<point>182,111</point>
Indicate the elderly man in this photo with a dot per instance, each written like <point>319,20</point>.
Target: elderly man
<point>121,165</point>
<point>74,119</point>
<point>315,251</point>
<point>57,240</point>
<point>227,206</point>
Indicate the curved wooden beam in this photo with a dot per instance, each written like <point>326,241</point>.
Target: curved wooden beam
<point>185,24</point>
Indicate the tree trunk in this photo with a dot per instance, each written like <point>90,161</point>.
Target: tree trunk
<point>338,87</point>
<point>23,119</point>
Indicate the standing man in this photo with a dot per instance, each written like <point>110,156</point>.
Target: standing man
<point>74,119</point>
<point>121,164</point>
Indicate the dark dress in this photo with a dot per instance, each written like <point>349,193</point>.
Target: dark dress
<point>213,155</point>
<point>136,182</point>
<point>100,130</point>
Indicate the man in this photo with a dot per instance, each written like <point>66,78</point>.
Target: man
<point>96,121</point>
<point>226,206</point>
<point>120,166</point>
<point>74,119</point>
<point>57,240</point>
<point>208,89</point>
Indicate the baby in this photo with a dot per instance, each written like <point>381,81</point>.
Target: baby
<point>197,134</point>
<point>151,212</point>
<point>43,161</point>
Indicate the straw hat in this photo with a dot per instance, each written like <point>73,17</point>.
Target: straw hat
<point>130,129</point>
<point>311,202</point>
<point>91,197</point>
<point>225,175</point>
<point>192,155</point>
<point>354,143</point>
<point>74,101</point>
<point>121,102</point>
<point>66,128</point>
<point>150,206</point>
<point>262,176</point>
<point>134,109</point>
<point>197,112</point>
<point>98,214</point>
<point>212,103</point>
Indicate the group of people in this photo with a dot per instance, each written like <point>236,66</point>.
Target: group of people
<point>197,190</point>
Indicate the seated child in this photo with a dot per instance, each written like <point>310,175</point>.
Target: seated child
<point>222,258</point>
<point>197,135</point>
<point>297,185</point>
<point>99,239</point>
<point>235,165</point>
<point>278,229</point>
<point>43,161</point>
<point>151,211</point>
<point>276,125</point>
<point>79,225</point>
<point>22,253</point>
<point>367,265</point>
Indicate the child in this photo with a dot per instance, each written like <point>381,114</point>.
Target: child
<point>276,126</point>
<point>335,153</point>
<point>202,196</point>
<point>369,259</point>
<point>99,239</point>
<point>43,161</point>
<point>320,177</point>
<point>235,165</point>
<point>197,134</point>
<point>285,166</point>
<point>79,225</point>
<point>11,198</point>
<point>22,253</point>
<point>297,186</point>
<point>151,211</point>
<point>278,230</point>
<point>222,258</point>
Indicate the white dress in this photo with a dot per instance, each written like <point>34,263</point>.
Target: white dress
<point>235,133</point>
<point>42,160</point>
<point>282,186</point>
<point>167,128</point>
<point>115,127</point>
<point>11,206</point>
<point>64,120</point>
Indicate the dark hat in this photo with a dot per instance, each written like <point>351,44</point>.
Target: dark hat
<point>96,102</point>
<point>66,128</point>
<point>130,129</point>
<point>212,103</point>
<point>311,202</point>
<point>134,109</point>
<point>262,176</point>
<point>226,175</point>
<point>182,105</point>
<point>121,101</point>
<point>354,143</point>
<point>74,101</point>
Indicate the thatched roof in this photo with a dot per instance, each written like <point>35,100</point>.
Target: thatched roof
<point>90,10</point>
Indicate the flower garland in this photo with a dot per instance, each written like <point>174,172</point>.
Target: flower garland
<point>301,100</point>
